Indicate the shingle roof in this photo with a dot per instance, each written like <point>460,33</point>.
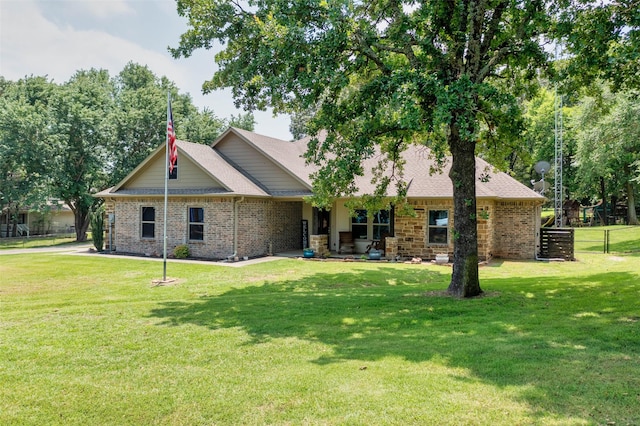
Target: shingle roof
<point>289,156</point>
<point>422,184</point>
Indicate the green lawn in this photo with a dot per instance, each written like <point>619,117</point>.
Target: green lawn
<point>622,239</point>
<point>36,242</point>
<point>89,340</point>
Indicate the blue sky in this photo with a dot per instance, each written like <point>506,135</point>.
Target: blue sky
<point>58,37</point>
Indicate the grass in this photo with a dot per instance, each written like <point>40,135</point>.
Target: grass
<point>622,239</point>
<point>37,242</point>
<point>89,340</point>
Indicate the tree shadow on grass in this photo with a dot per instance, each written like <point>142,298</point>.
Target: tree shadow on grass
<point>573,344</point>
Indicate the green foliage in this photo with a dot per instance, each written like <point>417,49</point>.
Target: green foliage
<point>538,140</point>
<point>604,40</point>
<point>181,251</point>
<point>24,118</point>
<point>97,227</point>
<point>609,145</point>
<point>80,132</point>
<point>243,121</point>
<point>70,140</point>
<point>140,115</point>
<point>299,122</point>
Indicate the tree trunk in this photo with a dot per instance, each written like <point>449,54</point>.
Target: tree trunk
<point>82,224</point>
<point>632,218</point>
<point>603,194</point>
<point>464,279</point>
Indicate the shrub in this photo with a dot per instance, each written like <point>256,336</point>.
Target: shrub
<point>97,227</point>
<point>181,251</point>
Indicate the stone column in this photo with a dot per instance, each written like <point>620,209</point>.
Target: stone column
<point>391,248</point>
<point>319,244</point>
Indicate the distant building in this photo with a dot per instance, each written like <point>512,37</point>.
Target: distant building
<point>55,218</point>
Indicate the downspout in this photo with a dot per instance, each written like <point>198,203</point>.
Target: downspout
<point>538,225</point>
<point>235,228</point>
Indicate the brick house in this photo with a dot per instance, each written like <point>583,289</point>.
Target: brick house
<point>245,196</point>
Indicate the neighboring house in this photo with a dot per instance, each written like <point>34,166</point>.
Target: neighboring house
<point>55,218</point>
<point>245,196</point>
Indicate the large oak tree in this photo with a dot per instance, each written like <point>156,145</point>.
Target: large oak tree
<point>24,112</point>
<point>383,74</point>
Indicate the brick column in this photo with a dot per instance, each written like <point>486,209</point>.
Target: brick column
<point>391,248</point>
<point>319,244</point>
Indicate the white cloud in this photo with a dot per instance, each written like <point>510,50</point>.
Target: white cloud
<point>33,43</point>
<point>105,8</point>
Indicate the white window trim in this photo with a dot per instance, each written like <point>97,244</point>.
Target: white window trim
<point>370,226</point>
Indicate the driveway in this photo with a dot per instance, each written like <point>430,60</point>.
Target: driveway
<point>85,249</point>
<point>67,248</point>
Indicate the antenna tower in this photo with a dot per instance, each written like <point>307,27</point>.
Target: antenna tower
<point>557,107</point>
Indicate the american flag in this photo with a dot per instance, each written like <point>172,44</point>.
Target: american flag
<point>171,139</point>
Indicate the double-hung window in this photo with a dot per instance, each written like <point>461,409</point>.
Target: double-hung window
<point>148,222</point>
<point>359,225</point>
<point>196,223</point>
<point>438,227</point>
<point>380,224</point>
<point>365,229</point>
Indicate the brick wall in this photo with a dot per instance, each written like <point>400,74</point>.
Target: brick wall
<point>506,229</point>
<point>412,231</point>
<point>218,226</point>
<point>260,222</point>
<point>264,222</point>
<point>516,227</point>
<point>109,208</point>
<point>485,229</point>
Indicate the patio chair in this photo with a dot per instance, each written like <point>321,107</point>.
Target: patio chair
<point>345,243</point>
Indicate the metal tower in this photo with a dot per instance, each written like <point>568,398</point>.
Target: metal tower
<point>558,159</point>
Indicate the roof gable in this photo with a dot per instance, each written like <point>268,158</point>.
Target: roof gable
<point>195,165</point>
<point>275,164</point>
<point>152,174</point>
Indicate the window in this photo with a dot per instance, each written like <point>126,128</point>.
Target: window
<point>438,226</point>
<point>196,223</point>
<point>359,224</point>
<point>364,229</point>
<point>174,174</point>
<point>380,224</point>
<point>148,222</point>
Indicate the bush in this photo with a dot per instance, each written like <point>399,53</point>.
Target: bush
<point>181,251</point>
<point>97,227</point>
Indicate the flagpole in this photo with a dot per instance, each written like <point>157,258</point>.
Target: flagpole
<point>166,192</point>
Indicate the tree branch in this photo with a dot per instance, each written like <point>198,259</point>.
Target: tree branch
<point>367,51</point>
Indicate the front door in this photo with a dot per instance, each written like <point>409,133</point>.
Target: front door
<point>322,223</point>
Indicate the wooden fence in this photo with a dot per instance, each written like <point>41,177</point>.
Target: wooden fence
<point>556,243</point>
